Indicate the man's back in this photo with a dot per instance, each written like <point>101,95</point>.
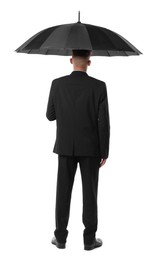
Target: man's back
<point>79,104</point>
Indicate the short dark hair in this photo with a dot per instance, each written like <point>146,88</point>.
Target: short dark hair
<point>81,53</point>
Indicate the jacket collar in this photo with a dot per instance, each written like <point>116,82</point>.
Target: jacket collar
<point>79,72</point>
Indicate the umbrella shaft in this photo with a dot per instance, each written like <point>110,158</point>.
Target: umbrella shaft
<point>78,16</point>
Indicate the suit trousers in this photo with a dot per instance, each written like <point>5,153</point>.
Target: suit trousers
<point>89,168</point>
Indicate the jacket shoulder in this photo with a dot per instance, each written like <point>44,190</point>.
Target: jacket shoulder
<point>94,80</point>
<point>98,81</point>
<point>60,78</point>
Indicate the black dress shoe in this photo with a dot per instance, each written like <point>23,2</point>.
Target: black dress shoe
<point>97,243</point>
<point>57,244</point>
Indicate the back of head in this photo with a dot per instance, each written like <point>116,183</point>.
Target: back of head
<point>81,57</point>
<point>81,53</point>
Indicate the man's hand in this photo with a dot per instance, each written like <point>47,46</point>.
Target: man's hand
<point>102,162</point>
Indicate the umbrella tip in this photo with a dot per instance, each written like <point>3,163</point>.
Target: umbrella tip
<point>78,16</point>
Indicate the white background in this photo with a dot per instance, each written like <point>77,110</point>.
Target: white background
<point>127,199</point>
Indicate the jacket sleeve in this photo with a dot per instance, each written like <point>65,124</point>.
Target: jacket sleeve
<point>104,123</point>
<point>50,113</point>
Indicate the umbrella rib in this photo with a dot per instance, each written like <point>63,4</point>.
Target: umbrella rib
<point>133,49</point>
<point>108,53</point>
<point>130,44</point>
<point>101,29</point>
<point>68,35</point>
<point>88,37</point>
<point>46,51</point>
<point>50,35</point>
<point>29,51</point>
<point>125,53</point>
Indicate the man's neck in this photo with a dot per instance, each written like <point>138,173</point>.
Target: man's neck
<point>80,69</point>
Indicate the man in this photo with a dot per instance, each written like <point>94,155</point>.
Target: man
<point>79,104</point>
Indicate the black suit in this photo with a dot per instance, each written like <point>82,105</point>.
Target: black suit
<point>79,104</point>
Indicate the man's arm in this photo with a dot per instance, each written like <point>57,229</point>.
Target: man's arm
<point>104,123</point>
<point>50,113</point>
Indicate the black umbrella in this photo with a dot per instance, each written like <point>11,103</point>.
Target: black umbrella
<point>62,39</point>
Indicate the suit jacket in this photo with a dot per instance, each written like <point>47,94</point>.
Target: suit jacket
<point>79,104</point>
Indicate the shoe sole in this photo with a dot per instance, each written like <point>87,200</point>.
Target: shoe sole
<point>59,245</point>
<point>91,247</point>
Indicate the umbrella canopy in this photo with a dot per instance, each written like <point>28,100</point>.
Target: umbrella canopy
<point>62,39</point>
